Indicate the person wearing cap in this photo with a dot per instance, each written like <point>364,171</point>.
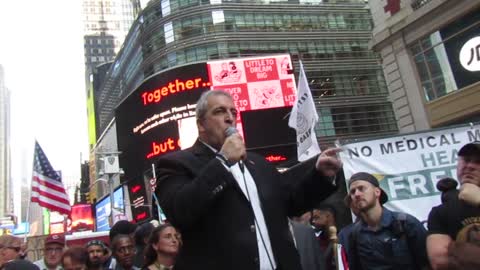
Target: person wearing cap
<point>10,247</point>
<point>382,239</point>
<point>451,224</point>
<point>53,250</point>
<point>96,250</point>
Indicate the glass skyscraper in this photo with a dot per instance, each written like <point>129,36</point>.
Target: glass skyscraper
<point>330,37</point>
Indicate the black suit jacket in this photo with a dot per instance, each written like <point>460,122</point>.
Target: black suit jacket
<point>203,200</point>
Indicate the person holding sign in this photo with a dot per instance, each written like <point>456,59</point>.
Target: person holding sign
<point>454,239</point>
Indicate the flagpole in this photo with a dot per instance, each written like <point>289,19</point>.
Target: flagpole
<point>27,217</point>
<point>159,209</point>
<point>25,235</point>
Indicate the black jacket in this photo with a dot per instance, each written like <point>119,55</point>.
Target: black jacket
<point>203,200</point>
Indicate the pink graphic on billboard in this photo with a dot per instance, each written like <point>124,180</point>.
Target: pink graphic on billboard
<point>239,93</point>
<point>266,94</point>
<point>226,72</point>
<point>264,69</point>
<point>285,69</point>
<point>288,89</point>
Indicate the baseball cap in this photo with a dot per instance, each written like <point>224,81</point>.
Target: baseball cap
<point>55,239</point>
<point>96,242</point>
<point>372,180</point>
<point>470,149</point>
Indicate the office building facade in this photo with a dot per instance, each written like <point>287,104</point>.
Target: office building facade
<point>106,23</point>
<point>431,61</point>
<point>330,37</point>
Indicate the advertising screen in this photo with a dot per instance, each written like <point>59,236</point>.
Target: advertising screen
<point>159,116</point>
<point>103,209</point>
<point>82,219</point>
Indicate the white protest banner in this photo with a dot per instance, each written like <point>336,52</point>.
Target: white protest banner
<point>409,166</point>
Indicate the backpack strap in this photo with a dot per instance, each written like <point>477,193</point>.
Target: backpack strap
<point>400,230</point>
<point>399,224</point>
<point>352,252</point>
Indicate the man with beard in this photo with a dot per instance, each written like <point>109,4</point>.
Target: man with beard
<point>96,253</point>
<point>382,239</point>
<point>453,226</point>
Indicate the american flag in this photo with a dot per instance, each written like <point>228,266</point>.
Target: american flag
<point>47,187</point>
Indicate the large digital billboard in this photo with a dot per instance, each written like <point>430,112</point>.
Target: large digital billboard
<point>82,219</point>
<point>159,116</point>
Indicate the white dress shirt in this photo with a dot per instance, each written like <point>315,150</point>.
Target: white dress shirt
<point>249,188</point>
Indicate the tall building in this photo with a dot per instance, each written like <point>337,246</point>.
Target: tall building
<point>330,37</point>
<point>6,198</point>
<point>106,23</point>
<point>431,60</point>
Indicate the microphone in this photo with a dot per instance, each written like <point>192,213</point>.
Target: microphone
<point>229,132</point>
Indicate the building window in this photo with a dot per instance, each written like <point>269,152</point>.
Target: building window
<point>362,119</point>
<point>433,67</point>
<point>168,30</point>
<point>445,58</point>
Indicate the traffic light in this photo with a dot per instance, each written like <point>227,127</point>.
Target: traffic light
<point>87,197</point>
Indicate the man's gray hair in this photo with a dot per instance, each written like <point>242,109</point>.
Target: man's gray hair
<point>202,103</point>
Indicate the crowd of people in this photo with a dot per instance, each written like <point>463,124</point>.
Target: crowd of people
<point>236,211</point>
<point>131,247</point>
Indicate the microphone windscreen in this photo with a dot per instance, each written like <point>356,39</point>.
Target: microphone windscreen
<point>230,131</point>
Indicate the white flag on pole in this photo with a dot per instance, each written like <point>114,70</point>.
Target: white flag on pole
<point>303,118</point>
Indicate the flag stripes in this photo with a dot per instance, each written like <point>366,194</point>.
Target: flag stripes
<point>47,187</point>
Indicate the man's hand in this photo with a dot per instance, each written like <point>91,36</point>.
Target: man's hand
<point>328,163</point>
<point>470,194</point>
<point>234,148</point>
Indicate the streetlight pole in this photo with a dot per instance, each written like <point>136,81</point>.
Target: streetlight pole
<point>112,200</point>
<point>111,167</point>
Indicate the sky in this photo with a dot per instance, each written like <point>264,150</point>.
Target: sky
<point>41,51</point>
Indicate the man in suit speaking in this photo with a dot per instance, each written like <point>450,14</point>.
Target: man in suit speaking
<point>232,207</point>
